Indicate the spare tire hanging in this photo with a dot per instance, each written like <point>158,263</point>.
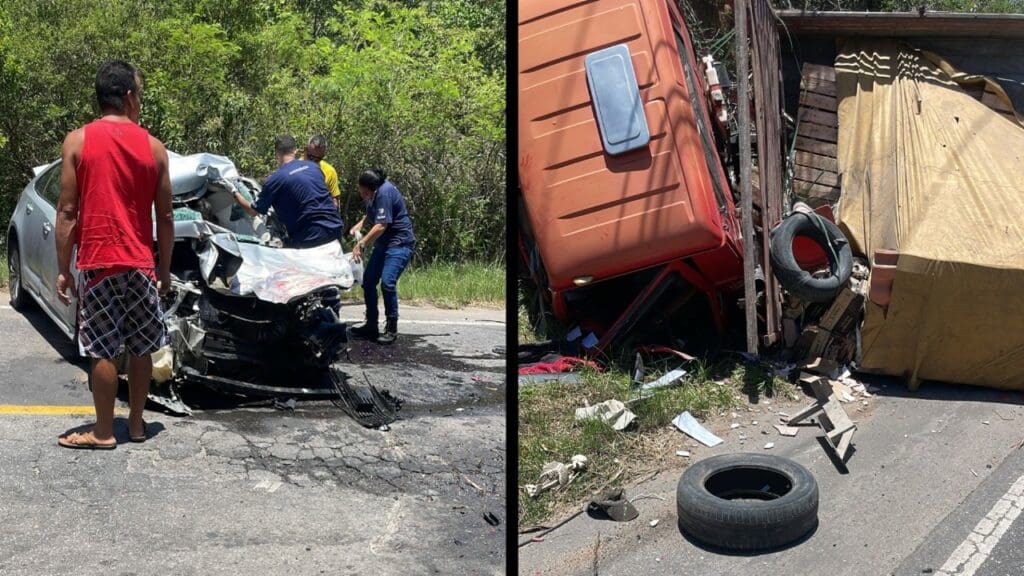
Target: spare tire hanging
<point>795,279</point>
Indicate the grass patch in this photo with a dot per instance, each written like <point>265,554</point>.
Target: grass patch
<point>3,268</point>
<point>450,285</point>
<point>549,432</point>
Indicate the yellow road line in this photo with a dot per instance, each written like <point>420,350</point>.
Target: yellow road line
<point>54,410</point>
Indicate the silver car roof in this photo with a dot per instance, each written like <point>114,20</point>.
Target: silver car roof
<point>188,173</point>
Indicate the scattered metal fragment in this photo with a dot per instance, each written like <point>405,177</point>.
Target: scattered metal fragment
<point>666,380</point>
<point>689,425</point>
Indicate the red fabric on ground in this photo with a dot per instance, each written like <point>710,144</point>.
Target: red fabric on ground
<point>563,364</point>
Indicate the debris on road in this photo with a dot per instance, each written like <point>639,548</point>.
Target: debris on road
<point>611,412</point>
<point>830,415</point>
<point>654,522</point>
<point>557,474</point>
<point>683,453</point>
<point>769,446</point>
<point>787,430</point>
<point>613,504</point>
<point>284,404</point>
<point>689,425</point>
<point>491,519</point>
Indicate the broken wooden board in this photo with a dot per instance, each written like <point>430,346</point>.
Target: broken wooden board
<point>830,415</point>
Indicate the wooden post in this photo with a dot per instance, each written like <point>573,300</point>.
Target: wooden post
<point>743,72</point>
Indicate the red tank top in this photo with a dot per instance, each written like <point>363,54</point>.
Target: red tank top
<point>117,179</point>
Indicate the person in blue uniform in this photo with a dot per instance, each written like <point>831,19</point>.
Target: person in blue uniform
<point>393,241</point>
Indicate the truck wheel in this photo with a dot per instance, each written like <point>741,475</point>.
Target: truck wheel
<point>747,501</point>
<point>798,281</point>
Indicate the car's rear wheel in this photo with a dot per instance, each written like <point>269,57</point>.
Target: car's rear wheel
<point>19,299</point>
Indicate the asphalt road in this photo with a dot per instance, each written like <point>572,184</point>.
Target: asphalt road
<point>250,489</point>
<point>928,468</point>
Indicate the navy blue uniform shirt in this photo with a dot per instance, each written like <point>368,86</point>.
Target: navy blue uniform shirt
<point>388,207</point>
<point>299,195</point>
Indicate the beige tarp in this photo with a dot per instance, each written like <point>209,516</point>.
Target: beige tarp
<point>932,172</point>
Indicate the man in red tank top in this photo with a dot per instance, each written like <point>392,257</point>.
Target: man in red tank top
<point>113,172</point>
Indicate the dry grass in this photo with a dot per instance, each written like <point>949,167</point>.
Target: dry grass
<point>548,430</point>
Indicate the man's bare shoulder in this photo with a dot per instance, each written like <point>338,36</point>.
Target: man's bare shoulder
<point>73,141</point>
<point>159,151</point>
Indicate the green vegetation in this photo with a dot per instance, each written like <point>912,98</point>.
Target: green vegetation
<point>549,432</point>
<point>451,285</point>
<point>414,87</point>
<point>3,269</point>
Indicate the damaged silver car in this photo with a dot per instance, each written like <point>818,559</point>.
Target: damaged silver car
<point>244,315</point>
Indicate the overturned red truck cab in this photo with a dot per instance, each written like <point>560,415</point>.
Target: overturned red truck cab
<point>621,131</point>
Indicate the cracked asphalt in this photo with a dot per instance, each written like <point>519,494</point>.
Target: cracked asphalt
<point>248,488</point>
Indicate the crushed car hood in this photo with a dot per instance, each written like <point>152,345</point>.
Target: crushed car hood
<point>193,172</point>
<point>277,275</point>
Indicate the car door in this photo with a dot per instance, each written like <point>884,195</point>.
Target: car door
<point>49,193</point>
<point>32,233</point>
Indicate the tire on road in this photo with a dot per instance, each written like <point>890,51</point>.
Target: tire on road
<point>799,281</point>
<point>747,501</point>
<point>15,281</point>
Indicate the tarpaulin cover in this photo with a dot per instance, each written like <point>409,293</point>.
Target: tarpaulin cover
<point>932,172</point>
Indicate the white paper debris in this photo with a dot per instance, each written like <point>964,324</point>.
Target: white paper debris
<point>683,453</point>
<point>611,412</point>
<point>734,425</point>
<point>654,522</point>
<point>769,446</point>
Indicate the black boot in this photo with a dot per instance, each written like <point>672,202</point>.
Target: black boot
<point>367,331</point>
<point>390,331</point>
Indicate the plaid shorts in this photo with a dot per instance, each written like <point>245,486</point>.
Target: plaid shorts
<point>121,309</point>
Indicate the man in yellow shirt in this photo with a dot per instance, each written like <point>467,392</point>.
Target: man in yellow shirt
<point>315,152</point>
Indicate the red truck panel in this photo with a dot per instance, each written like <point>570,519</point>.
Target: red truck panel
<point>598,215</point>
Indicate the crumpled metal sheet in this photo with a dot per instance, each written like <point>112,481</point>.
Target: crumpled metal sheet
<point>280,275</point>
<point>689,425</point>
<point>194,171</point>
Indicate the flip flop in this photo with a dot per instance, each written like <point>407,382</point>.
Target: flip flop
<point>65,442</point>
<point>140,439</point>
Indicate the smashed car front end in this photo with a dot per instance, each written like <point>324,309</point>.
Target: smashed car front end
<point>246,317</point>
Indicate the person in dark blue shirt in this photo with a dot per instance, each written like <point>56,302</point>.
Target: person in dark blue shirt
<point>393,243</point>
<point>300,199</point>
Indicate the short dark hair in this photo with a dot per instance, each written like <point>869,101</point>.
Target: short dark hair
<point>284,144</point>
<point>372,178</point>
<point>114,80</point>
<point>318,141</point>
